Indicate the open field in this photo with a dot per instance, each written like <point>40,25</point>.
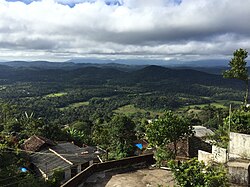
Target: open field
<point>75,105</point>
<point>131,109</point>
<point>59,94</point>
<point>217,104</point>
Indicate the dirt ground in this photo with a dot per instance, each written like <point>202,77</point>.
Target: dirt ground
<point>139,178</point>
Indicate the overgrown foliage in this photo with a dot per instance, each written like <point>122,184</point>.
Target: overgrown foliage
<point>194,173</point>
<point>163,155</point>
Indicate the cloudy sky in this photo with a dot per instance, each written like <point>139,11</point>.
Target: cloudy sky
<point>123,29</point>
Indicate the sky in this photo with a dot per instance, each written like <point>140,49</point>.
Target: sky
<point>179,30</point>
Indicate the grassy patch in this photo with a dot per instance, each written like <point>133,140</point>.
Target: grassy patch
<point>131,109</point>
<point>75,105</point>
<point>59,94</point>
<point>217,104</point>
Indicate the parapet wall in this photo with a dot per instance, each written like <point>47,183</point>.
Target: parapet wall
<point>83,176</point>
<point>239,145</point>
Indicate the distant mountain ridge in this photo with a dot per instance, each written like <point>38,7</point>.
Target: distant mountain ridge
<point>156,75</point>
<point>119,63</point>
<point>170,63</point>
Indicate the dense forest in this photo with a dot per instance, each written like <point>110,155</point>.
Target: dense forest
<point>65,95</point>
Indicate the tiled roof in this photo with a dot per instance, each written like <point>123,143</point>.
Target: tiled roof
<point>49,155</point>
<point>48,161</point>
<point>35,143</point>
<point>74,153</point>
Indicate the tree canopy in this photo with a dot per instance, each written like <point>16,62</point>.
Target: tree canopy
<point>238,68</point>
<point>168,129</point>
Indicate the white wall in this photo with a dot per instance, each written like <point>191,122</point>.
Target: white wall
<point>205,156</point>
<point>219,154</point>
<point>239,144</point>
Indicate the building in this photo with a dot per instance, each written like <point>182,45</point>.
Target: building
<point>47,156</point>
<point>236,157</point>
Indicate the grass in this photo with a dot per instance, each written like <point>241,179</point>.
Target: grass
<point>131,109</point>
<point>59,94</point>
<point>75,105</point>
<point>217,104</point>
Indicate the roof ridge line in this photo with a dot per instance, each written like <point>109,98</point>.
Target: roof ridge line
<point>60,156</point>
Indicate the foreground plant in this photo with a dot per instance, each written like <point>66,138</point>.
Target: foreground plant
<point>194,173</point>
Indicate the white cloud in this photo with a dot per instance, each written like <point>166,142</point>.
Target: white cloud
<point>145,28</point>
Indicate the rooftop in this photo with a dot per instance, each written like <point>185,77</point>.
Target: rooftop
<point>202,132</point>
<point>35,143</point>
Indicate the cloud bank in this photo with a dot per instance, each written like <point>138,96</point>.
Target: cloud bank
<point>159,29</point>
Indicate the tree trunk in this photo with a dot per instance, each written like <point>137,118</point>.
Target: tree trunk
<point>175,149</point>
<point>247,91</point>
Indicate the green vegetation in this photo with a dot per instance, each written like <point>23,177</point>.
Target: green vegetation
<point>75,105</point>
<point>117,136</point>
<point>168,129</point>
<point>238,69</point>
<point>131,109</point>
<point>193,173</point>
<point>109,108</point>
<point>56,94</point>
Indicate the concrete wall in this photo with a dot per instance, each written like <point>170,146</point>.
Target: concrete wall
<point>205,156</point>
<point>219,154</point>
<point>80,178</point>
<point>239,144</point>
<point>238,172</point>
<point>195,144</point>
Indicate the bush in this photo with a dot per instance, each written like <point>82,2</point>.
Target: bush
<point>196,174</point>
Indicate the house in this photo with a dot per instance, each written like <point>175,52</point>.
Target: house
<point>47,156</point>
<point>236,157</point>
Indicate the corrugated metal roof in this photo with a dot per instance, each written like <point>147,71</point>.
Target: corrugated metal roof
<point>202,132</point>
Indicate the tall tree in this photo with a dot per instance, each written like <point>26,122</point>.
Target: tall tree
<point>122,132</point>
<point>238,69</point>
<point>168,129</point>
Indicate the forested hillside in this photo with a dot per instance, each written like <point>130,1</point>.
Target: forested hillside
<point>80,94</point>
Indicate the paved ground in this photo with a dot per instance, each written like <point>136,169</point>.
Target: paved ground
<point>139,178</point>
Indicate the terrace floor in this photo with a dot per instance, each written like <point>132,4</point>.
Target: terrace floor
<point>138,178</point>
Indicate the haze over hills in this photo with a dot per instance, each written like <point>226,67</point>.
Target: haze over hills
<point>208,66</point>
<point>134,62</point>
<point>171,63</point>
